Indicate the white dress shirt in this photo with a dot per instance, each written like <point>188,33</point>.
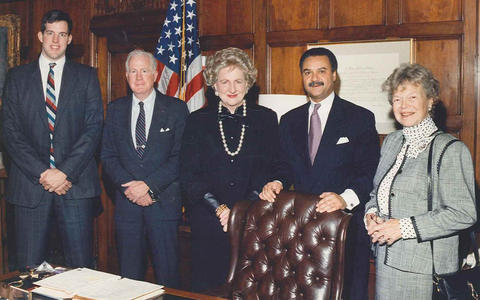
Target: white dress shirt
<point>43,63</point>
<point>148,105</point>
<point>348,195</point>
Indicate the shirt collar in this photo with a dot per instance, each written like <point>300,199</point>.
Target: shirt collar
<point>150,100</point>
<point>44,62</point>
<point>326,103</point>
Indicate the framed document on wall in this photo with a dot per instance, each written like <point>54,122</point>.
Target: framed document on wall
<point>362,68</point>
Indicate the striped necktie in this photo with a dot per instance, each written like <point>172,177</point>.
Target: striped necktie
<point>51,103</point>
<point>140,136</point>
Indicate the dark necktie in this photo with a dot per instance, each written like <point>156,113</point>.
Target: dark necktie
<point>51,103</point>
<point>315,133</point>
<point>140,136</point>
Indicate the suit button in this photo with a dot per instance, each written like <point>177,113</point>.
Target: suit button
<point>399,171</point>
<point>392,194</point>
<point>231,184</point>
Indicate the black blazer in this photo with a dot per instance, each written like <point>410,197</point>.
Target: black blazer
<point>78,129</point>
<point>337,166</point>
<point>206,167</point>
<point>159,165</point>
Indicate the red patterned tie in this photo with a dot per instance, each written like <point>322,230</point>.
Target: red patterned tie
<point>315,133</point>
<point>51,102</point>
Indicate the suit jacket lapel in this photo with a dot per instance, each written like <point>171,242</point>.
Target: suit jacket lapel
<point>66,89</point>
<point>127,119</point>
<point>335,123</point>
<point>300,136</point>
<point>38,94</point>
<point>159,119</point>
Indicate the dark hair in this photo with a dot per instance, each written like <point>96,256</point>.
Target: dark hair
<point>56,15</point>
<point>320,52</point>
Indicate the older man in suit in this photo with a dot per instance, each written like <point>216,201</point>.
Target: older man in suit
<point>140,150</point>
<point>330,147</point>
<point>52,122</point>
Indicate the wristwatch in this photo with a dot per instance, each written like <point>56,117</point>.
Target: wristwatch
<point>152,195</point>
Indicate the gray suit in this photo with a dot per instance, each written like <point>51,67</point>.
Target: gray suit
<point>404,269</point>
<point>453,204</point>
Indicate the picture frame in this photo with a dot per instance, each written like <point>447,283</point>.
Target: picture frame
<point>12,23</point>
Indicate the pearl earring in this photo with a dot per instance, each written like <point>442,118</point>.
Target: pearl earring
<point>216,93</point>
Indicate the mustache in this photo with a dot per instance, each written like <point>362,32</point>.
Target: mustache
<point>316,83</point>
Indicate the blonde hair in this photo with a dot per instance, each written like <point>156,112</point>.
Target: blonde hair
<point>229,57</point>
<point>414,74</point>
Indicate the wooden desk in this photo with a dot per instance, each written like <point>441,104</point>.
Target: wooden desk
<point>188,295</point>
<point>170,294</point>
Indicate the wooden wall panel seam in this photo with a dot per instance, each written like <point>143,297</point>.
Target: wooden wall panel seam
<point>356,33</point>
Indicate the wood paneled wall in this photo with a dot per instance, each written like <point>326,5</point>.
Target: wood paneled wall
<point>278,31</point>
<point>275,33</point>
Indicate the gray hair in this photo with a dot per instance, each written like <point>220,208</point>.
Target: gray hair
<point>414,74</point>
<point>137,52</point>
<point>229,57</point>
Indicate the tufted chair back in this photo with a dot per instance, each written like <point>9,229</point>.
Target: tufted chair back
<point>286,250</point>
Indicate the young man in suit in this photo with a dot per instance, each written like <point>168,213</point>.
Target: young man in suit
<point>140,152</point>
<point>52,121</point>
<point>330,147</point>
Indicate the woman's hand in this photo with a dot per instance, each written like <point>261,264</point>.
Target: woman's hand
<point>371,219</point>
<point>387,232</point>
<point>223,218</point>
<point>270,191</point>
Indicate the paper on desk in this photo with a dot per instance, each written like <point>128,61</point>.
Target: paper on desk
<point>118,289</point>
<point>149,296</point>
<point>70,281</point>
<point>51,293</point>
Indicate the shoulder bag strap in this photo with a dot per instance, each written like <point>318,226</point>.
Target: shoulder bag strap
<point>430,181</point>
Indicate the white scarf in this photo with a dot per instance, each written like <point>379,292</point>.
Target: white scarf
<point>419,136</point>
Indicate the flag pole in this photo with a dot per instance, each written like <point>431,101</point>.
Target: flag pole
<point>183,63</point>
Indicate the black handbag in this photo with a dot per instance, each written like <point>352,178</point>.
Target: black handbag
<point>442,285</point>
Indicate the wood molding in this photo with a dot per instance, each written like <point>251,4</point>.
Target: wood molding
<point>127,31</point>
<point>217,42</point>
<point>357,33</point>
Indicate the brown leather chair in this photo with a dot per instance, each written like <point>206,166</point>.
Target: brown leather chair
<point>286,250</point>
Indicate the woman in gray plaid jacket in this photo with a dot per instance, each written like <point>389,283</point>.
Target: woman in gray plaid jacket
<point>397,215</point>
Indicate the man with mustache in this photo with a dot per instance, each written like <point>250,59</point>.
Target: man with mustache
<point>330,147</point>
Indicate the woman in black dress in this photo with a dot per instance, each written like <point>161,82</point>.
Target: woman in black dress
<point>227,154</point>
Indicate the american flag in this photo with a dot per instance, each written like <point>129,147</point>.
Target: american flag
<point>178,53</point>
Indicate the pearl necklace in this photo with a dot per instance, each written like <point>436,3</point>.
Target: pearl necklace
<point>222,134</point>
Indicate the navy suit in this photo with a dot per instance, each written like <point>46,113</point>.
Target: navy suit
<point>337,167</point>
<point>77,133</point>
<point>159,169</point>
